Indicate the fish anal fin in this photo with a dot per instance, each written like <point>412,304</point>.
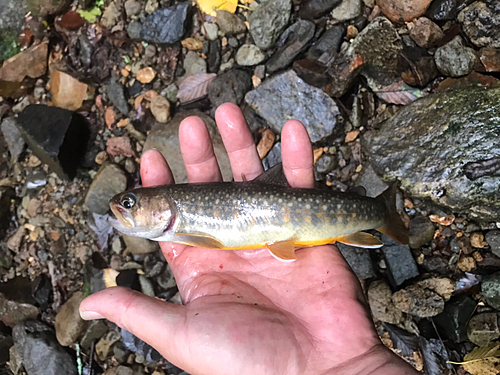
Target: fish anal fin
<point>283,250</point>
<point>361,239</point>
<point>273,176</point>
<point>393,225</point>
<point>200,240</point>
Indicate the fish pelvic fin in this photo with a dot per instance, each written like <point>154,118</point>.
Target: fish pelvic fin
<point>361,239</point>
<point>283,250</point>
<point>393,225</point>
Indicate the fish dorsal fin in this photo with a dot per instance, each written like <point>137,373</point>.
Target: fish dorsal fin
<point>283,250</point>
<point>361,239</point>
<point>200,240</point>
<point>359,190</point>
<point>273,176</point>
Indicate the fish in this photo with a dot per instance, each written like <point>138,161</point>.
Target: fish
<point>263,213</point>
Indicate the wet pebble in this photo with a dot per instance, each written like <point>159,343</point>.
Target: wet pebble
<point>229,87</point>
<point>328,42</point>
<point>69,325</point>
<point>138,246</point>
<point>132,7</point>
<point>359,260</point>
<point>381,305</point>
<point>229,23</point>
<point>166,25</point>
<point>312,9</point>
<point>421,231</point>
<point>426,33</point>
<point>493,239</point>
<point>95,330</point>
<point>160,108</point>
<point>104,346</point>
<point>194,64</point>
<point>249,55</point>
<point>347,10</point>
<point>109,180</point>
<point>444,10</point>
<point>210,30</point>
<point>134,30</point>
<point>454,59</point>
<point>452,322</point>
<point>268,21</point>
<point>398,11</point>
<point>116,94</point>
<point>481,22</point>
<point>483,328</point>
<point>399,260</point>
<point>12,136</point>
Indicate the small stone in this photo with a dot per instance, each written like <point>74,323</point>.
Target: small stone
<point>151,6</point>
<point>358,259</point>
<point>273,157</point>
<point>95,330</point>
<point>110,15</point>
<point>313,9</point>
<point>453,320</point>
<point>352,32</point>
<point>421,231</point>
<point>210,30</point>
<point>101,157</point>
<point>347,10</point>
<point>192,44</point>
<point>483,329</point>
<point>12,312</point>
<point>166,25</point>
<point>329,42</point>
<point>490,288</point>
<point>493,239</point>
<point>325,164</point>
<point>134,30</point>
<point>145,75</point>
<point>214,57</point>
<point>466,264</point>
<point>120,370</point>
<point>426,33</point>
<point>194,64</point>
<point>229,87</point>
<point>418,301</point>
<point>268,21</point>
<point>398,11</point>
<point>477,240</point>
<point>443,10</point>
<point>109,181</point>
<point>399,260</point>
<point>481,22</point>
<point>139,347</point>
<point>116,146</point>
<point>138,246</point>
<point>69,325</point>
<point>160,108</point>
<point>490,58</point>
<point>116,94</point>
<point>229,23</point>
<point>454,59</point>
<point>13,138</point>
<point>104,345</point>
<point>381,305</point>
<point>249,55</point>
<point>132,7</point>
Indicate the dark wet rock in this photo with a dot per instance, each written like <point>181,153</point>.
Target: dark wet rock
<point>138,246</point>
<point>483,328</point>
<point>12,15</point>
<point>45,8</point>
<point>194,64</point>
<point>325,164</point>
<point>229,23</point>
<point>426,33</point>
<point>116,94</point>
<point>229,87</point>
<point>120,352</point>
<point>298,100</point>
<point>69,325</point>
<point>490,288</point>
<point>421,231</point>
<point>120,370</point>
<point>493,239</point>
<point>293,41</point>
<point>6,195</point>
<point>481,23</point>
<point>328,43</point>
<point>40,352</point>
<point>435,264</point>
<point>359,259</point>
<point>438,147</point>
<point>444,10</point>
<point>6,256</point>
<point>12,312</point>
<point>58,137</point>
<point>134,30</point>
<point>42,290</point>
<point>313,72</point>
<point>214,56</point>
<point>381,305</point>
<point>454,59</point>
<point>103,348</point>
<point>249,55</point>
<point>347,10</point>
<point>95,330</point>
<point>165,138</point>
<point>417,66</point>
<point>453,320</point>
<point>109,181</point>
<point>312,9</point>
<point>268,21</point>
<point>490,58</point>
<point>399,261</point>
<point>138,346</point>
<point>372,183</point>
<point>273,157</point>
<point>5,344</point>
<point>165,25</point>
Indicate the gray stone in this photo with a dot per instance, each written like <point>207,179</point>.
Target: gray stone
<point>40,352</point>
<point>493,239</point>
<point>13,312</point>
<point>454,59</point>
<point>229,23</point>
<point>109,181</point>
<point>325,164</point>
<point>45,8</point>
<point>440,147</point>
<point>421,302</point>
<point>268,21</point>
<point>481,23</point>
<point>13,138</point>
<point>372,183</point>
<point>134,30</point>
<point>166,25</point>
<point>328,43</point>
<point>95,331</point>
<point>210,30</point>
<point>273,157</point>
<point>12,14</point>
<point>359,259</point>
<point>421,231</point>
<point>165,138</point>
<point>347,10</point>
<point>381,305</point>
<point>453,320</point>
<point>5,344</point>
<point>116,94</point>
<point>292,42</point>
<point>69,325</point>
<point>229,87</point>
<point>483,328</point>
<point>138,246</point>
<point>297,100</point>
<point>426,33</point>
<point>312,9</point>
<point>194,64</point>
<point>139,347</point>
<point>132,7</point>
<point>249,55</point>
<point>490,288</point>
<point>111,15</point>
<point>399,261</point>
<point>120,370</point>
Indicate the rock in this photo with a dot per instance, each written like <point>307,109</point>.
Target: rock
<point>490,288</point>
<point>139,347</point>
<point>132,7</point>
<point>40,352</point>
<point>481,22</point>
<point>67,92</point>
<point>145,75</point>
<point>103,348</point>
<point>359,259</point>
<point>477,240</point>
<point>372,183</point>
<point>381,305</point>
<point>166,25</point>
<point>13,138</point>
<point>399,11</point>
<point>45,8</point>
<point>292,42</point>
<point>310,105</point>
<point>120,370</point>
<point>214,55</point>
<point>12,16</point>
<point>454,59</point>
<point>58,137</point>
<point>164,137</point>
<point>111,15</point>
<point>493,239</point>
<point>116,94</point>
<point>328,42</point>
<point>229,87</point>
<point>5,344</point>
<point>399,260</point>
<point>249,55</point>
<point>325,164</point>
<point>453,320</point>
<point>69,325</point>
<point>160,108</point>
<point>13,312</point>
<point>421,231</point>
<point>268,21</point>
<point>444,10</point>
<point>134,30</point>
<point>347,10</point>
<point>96,329</point>
<point>426,33</point>
<point>229,23</point>
<point>457,131</point>
<point>29,63</point>
<point>483,328</point>
<point>417,301</point>
<point>273,157</point>
<point>210,30</point>
<point>194,64</point>
<point>109,181</point>
<point>313,9</point>
<point>138,246</point>
<point>490,58</point>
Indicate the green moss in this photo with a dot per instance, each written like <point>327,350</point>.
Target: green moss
<point>9,44</point>
<point>453,128</point>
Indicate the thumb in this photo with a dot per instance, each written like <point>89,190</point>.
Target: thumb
<point>150,319</point>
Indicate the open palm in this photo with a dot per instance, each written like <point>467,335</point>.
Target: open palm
<point>245,312</point>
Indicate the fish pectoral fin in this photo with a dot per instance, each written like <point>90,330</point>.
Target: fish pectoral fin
<point>361,239</point>
<point>283,250</point>
<point>200,240</point>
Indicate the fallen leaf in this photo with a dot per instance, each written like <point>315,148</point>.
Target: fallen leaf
<point>192,44</point>
<point>90,15</point>
<point>69,21</point>
<point>31,63</point>
<point>482,360</point>
<point>110,117</point>
<point>145,75</point>
<point>211,7</point>
<point>67,92</point>
<point>195,87</point>
<point>402,340</point>
<point>443,220</point>
<point>399,93</point>
<point>119,146</point>
<point>317,152</point>
<point>55,235</point>
<point>148,95</point>
<point>351,136</point>
<point>109,276</point>
<point>435,356</point>
<point>102,229</point>
<point>266,143</point>
<point>123,123</point>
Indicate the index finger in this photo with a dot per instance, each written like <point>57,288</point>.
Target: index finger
<point>297,155</point>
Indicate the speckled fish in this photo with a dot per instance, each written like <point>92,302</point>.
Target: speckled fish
<point>265,212</point>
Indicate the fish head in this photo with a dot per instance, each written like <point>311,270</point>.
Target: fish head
<point>141,213</point>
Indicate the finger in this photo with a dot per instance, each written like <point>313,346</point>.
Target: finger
<point>155,170</point>
<point>297,155</point>
<point>238,141</point>
<point>197,151</point>
<point>125,307</point>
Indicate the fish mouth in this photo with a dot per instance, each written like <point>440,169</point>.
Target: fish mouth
<point>119,217</point>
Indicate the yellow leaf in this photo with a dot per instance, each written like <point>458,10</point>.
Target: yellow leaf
<point>212,6</point>
<point>482,360</point>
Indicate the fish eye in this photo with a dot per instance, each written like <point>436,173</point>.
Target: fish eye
<point>128,200</point>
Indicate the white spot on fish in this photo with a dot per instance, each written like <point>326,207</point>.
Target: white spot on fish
<point>308,206</point>
<point>280,200</point>
<point>290,204</point>
<point>339,206</point>
<point>325,207</point>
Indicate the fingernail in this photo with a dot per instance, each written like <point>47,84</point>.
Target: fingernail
<point>90,315</point>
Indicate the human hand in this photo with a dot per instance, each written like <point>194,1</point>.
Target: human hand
<point>244,311</point>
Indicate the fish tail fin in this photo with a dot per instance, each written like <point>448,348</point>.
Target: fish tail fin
<point>393,225</point>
